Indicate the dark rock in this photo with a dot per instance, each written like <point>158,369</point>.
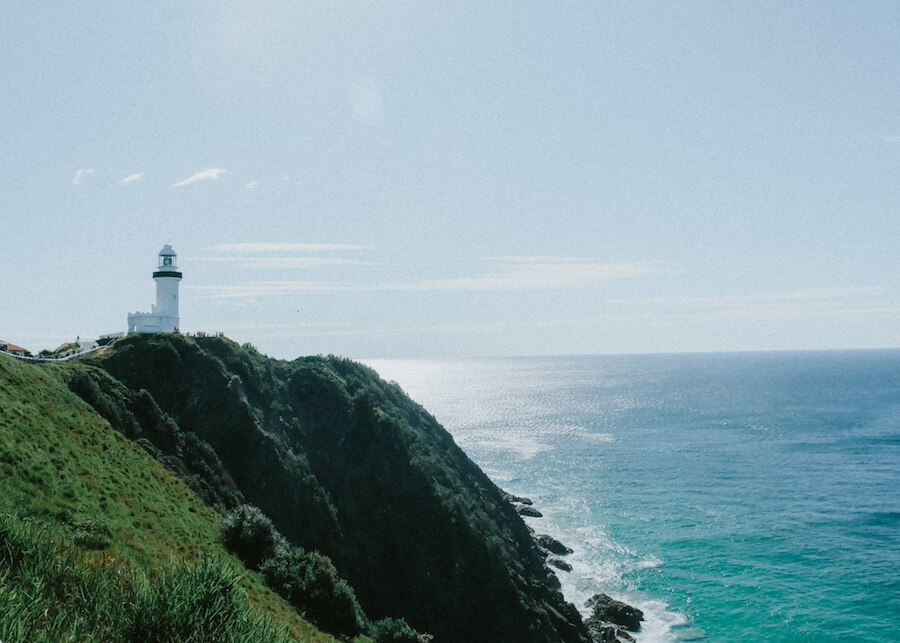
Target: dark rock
<point>604,634</point>
<point>559,564</point>
<point>526,510</point>
<point>516,500</point>
<point>606,609</point>
<point>567,621</point>
<point>551,581</point>
<point>608,633</point>
<point>552,545</point>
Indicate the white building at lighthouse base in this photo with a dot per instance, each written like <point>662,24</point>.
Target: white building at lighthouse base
<point>151,323</point>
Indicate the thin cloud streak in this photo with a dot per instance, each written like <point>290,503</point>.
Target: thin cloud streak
<point>82,173</point>
<point>267,247</point>
<point>542,273</point>
<point>132,178</point>
<point>814,294</point>
<point>257,289</point>
<point>283,263</point>
<point>282,326</point>
<point>548,274</point>
<point>802,305</point>
<point>205,175</point>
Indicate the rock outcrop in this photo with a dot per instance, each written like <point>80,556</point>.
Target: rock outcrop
<point>610,618</point>
<point>552,545</point>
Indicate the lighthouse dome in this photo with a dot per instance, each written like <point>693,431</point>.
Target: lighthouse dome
<point>167,258</point>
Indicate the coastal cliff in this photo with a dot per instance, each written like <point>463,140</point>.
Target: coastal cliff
<point>342,463</point>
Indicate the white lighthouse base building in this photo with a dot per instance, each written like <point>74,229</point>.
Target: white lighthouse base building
<point>163,316</point>
<point>151,323</point>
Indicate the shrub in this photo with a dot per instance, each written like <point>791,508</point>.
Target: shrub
<point>310,583</point>
<point>249,533</point>
<point>395,630</point>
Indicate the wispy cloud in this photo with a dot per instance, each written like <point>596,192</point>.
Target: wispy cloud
<point>536,273</point>
<point>282,255</point>
<point>813,294</point>
<point>132,178</point>
<point>249,248</point>
<point>507,274</point>
<point>82,173</point>
<point>205,175</point>
<point>890,139</point>
<point>278,327</point>
<point>251,186</point>
<point>282,263</point>
<point>819,303</point>
<point>260,289</point>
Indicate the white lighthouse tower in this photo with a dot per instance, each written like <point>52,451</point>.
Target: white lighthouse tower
<point>163,317</point>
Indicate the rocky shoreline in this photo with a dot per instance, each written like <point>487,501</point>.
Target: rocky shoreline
<point>610,620</point>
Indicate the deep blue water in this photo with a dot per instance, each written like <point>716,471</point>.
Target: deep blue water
<point>733,497</point>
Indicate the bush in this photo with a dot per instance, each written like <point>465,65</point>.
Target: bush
<point>391,630</point>
<point>310,583</point>
<point>252,537</point>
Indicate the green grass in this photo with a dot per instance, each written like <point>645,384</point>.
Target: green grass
<point>52,591</point>
<point>99,502</point>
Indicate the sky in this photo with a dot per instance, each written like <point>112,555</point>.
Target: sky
<point>455,179</point>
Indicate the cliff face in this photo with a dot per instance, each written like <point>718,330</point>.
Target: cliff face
<point>345,464</point>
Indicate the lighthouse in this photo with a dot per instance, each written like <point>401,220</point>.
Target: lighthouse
<point>163,316</point>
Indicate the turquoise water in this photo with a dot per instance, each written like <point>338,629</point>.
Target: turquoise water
<point>733,497</point>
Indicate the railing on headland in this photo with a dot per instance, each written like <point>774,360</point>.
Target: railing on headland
<point>201,333</point>
<point>103,342</point>
<point>33,358</point>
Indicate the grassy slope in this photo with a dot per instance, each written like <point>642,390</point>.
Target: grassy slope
<point>64,469</point>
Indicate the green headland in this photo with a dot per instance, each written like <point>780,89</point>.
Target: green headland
<point>188,488</point>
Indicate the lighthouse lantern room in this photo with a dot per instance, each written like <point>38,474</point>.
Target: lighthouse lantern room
<point>163,316</point>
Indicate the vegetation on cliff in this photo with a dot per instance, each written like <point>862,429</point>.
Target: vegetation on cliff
<point>95,536</point>
<point>372,504</point>
<point>54,591</point>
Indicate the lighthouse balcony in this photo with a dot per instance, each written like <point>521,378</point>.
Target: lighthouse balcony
<point>174,274</point>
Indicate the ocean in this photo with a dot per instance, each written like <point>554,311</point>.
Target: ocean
<point>731,497</point>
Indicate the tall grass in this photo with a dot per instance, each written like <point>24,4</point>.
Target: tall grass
<point>50,591</point>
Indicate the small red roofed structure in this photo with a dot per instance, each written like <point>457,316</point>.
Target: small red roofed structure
<point>12,348</point>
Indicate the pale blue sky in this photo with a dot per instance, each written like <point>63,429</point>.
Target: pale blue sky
<point>387,179</point>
